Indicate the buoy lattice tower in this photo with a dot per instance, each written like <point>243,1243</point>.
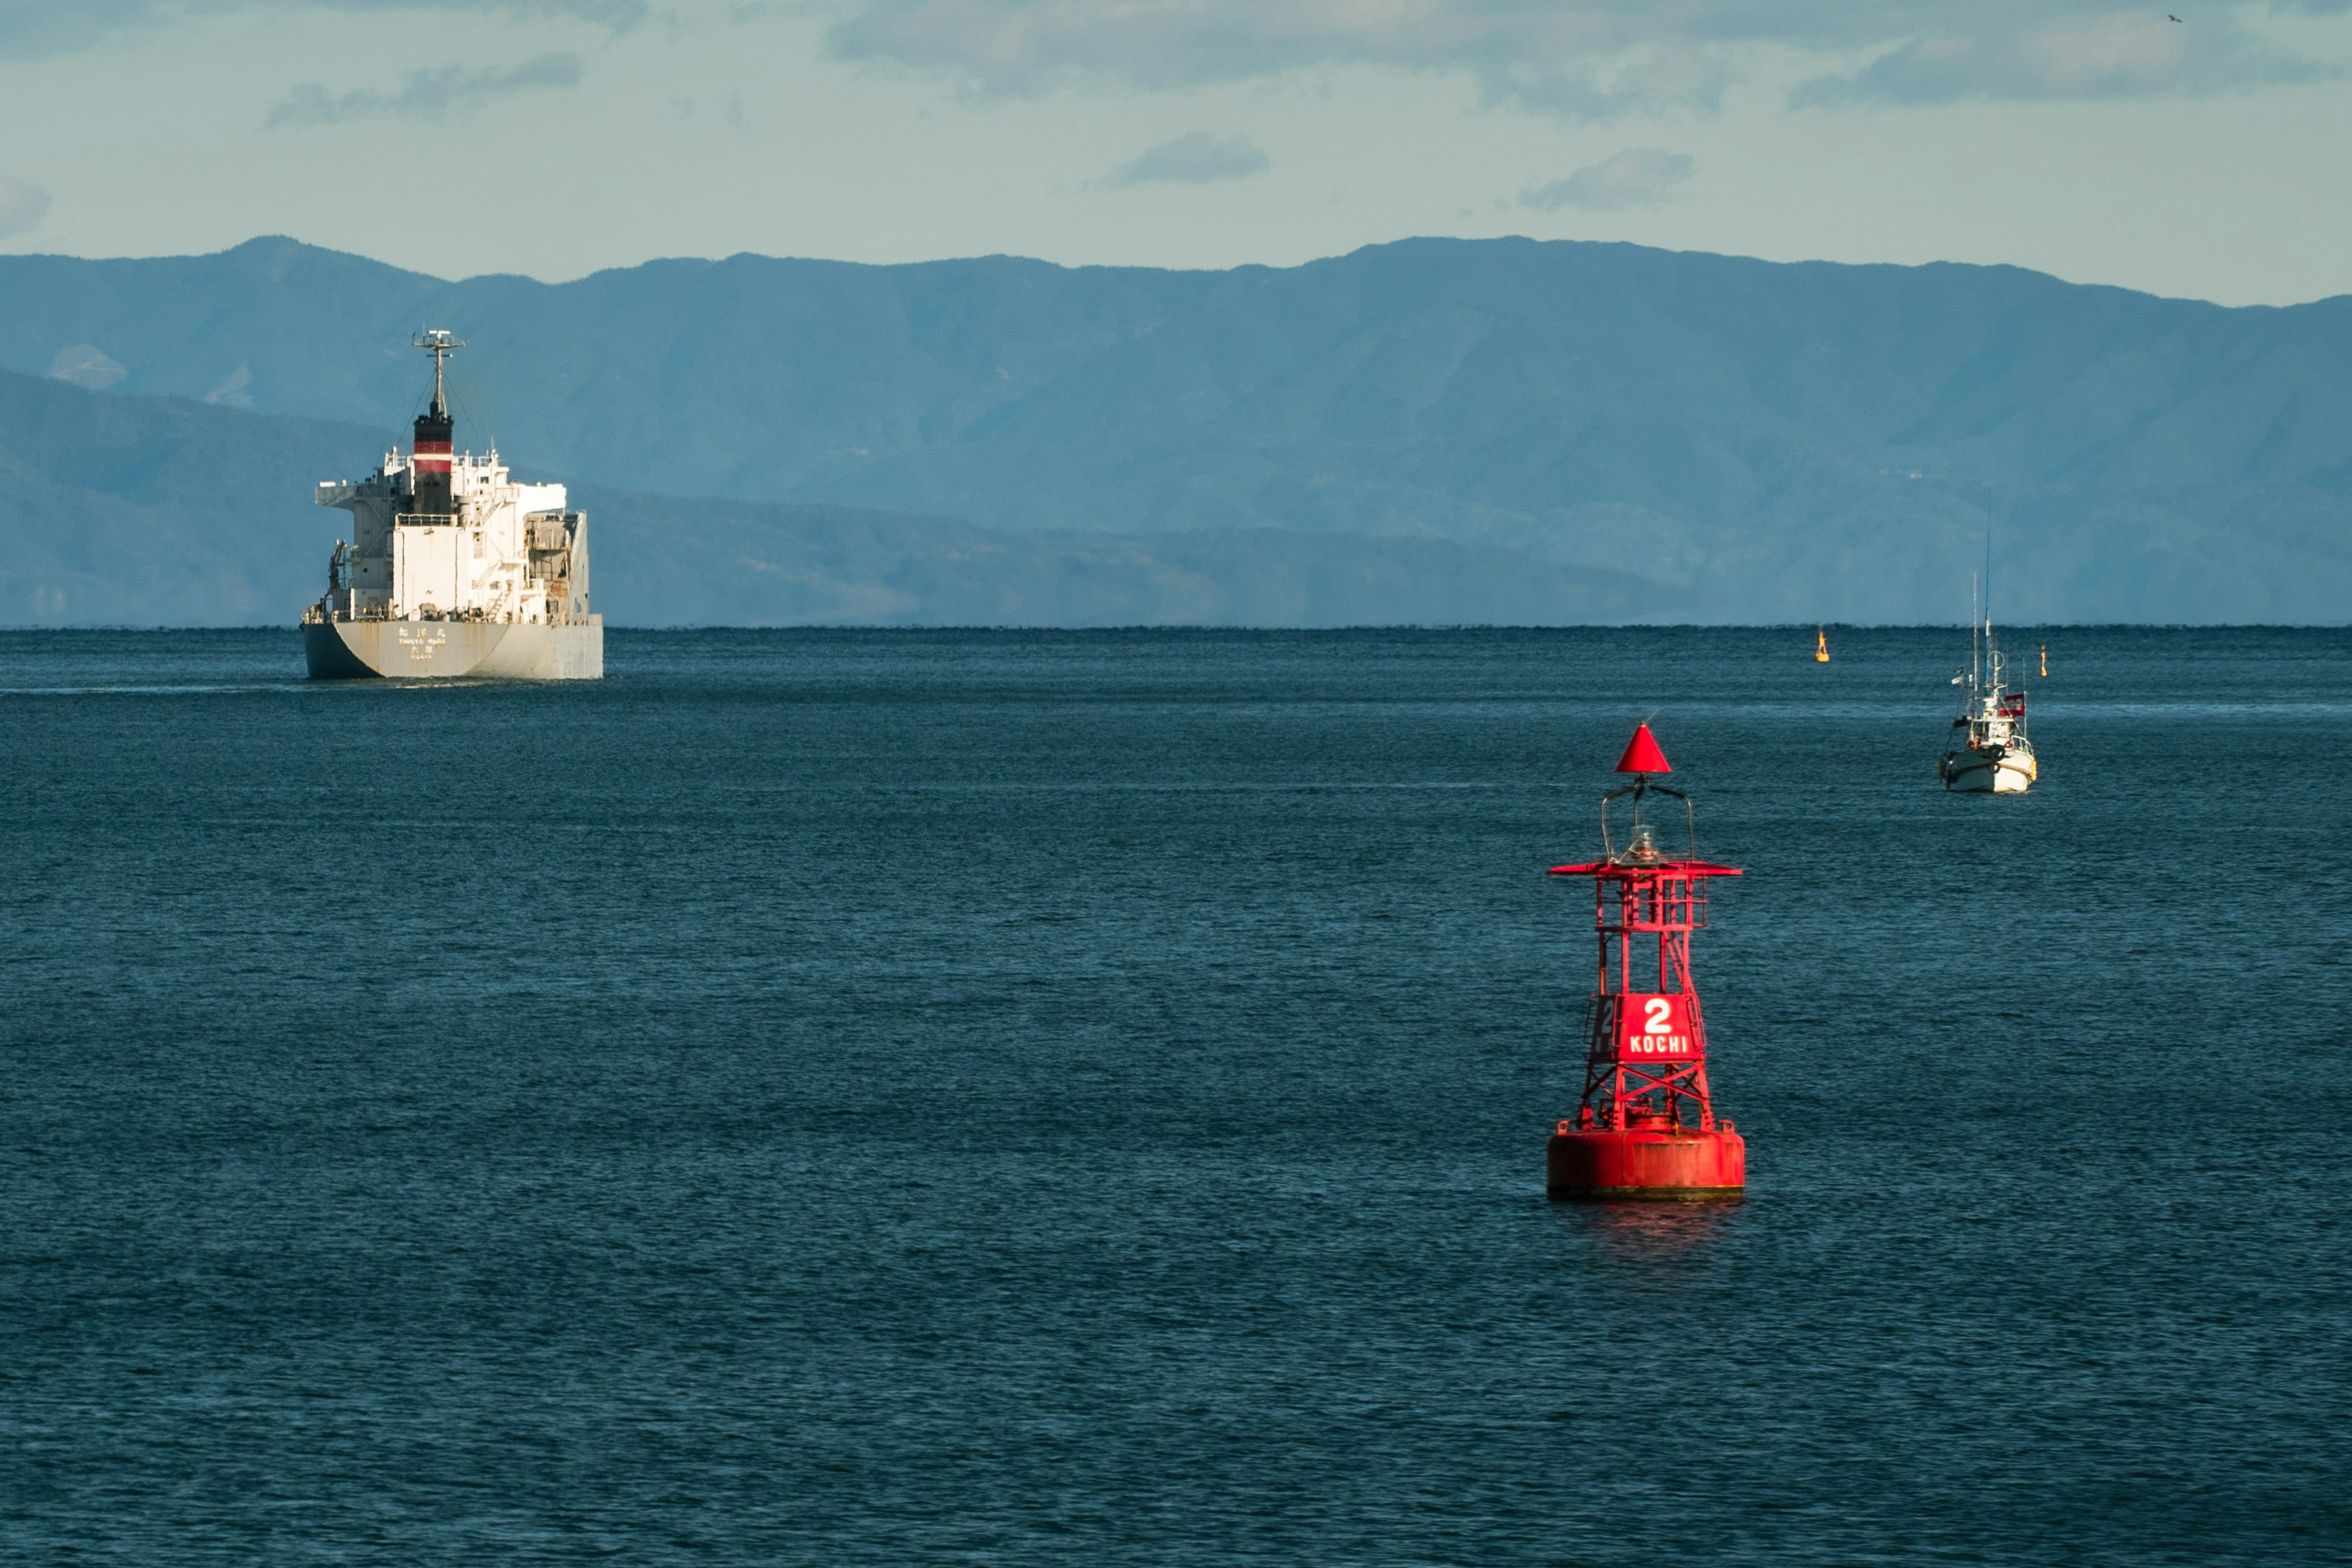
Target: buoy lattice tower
<point>1646,1125</point>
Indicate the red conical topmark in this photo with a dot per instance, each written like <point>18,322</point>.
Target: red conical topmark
<point>1642,754</point>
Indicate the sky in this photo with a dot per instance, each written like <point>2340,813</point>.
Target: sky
<point>2107,143</point>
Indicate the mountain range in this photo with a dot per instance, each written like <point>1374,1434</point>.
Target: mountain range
<point>1433,430</point>
<point>171,511</point>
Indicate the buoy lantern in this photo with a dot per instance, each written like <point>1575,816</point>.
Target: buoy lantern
<point>1646,1127</point>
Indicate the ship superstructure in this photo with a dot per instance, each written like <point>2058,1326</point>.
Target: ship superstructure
<point>454,568</point>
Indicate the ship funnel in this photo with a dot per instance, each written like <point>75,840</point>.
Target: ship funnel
<point>430,457</point>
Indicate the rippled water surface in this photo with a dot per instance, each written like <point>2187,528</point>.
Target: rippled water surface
<point>886,1098</point>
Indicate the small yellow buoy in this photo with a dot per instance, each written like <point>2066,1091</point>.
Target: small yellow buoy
<point>1822,644</point>
<point>2046,661</point>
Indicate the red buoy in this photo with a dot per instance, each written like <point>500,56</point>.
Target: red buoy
<point>1646,1127</point>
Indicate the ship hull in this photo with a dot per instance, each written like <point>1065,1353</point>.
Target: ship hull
<point>1987,771</point>
<point>450,651</point>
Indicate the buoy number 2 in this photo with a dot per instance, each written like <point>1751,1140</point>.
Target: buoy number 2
<point>1653,1028</point>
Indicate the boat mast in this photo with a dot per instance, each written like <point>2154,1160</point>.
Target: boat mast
<point>1992,654</point>
<point>1976,662</point>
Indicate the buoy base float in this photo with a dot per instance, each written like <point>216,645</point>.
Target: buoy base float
<point>1642,1164</point>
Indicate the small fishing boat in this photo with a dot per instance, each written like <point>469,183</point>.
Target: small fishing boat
<point>1989,752</point>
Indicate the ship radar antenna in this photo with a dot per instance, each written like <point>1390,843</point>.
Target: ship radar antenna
<point>440,344</point>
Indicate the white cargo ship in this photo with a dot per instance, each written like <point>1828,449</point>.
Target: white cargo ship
<point>452,568</point>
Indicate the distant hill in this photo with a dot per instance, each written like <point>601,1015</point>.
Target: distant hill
<point>166,511</point>
<point>1759,441</point>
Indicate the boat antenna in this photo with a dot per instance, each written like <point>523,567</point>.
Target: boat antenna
<point>440,344</point>
<point>1992,654</point>
<point>1988,600</point>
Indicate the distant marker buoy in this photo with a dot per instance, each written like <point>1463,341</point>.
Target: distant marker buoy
<point>1646,1125</point>
<point>2046,661</point>
<point>1821,644</point>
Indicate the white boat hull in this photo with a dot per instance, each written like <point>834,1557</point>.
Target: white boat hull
<point>1987,770</point>
<point>448,650</point>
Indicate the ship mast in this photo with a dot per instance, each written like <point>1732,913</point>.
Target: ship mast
<point>440,346</point>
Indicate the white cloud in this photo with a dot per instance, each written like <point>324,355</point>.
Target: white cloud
<point>2135,54</point>
<point>427,94</point>
<point>1637,177</point>
<point>1580,58</point>
<point>1197,158</point>
<point>32,28</point>
<point>22,206</point>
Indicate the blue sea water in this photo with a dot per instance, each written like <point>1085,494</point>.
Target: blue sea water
<point>926,1097</point>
